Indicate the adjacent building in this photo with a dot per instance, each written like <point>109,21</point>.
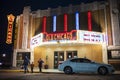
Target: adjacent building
<point>88,30</point>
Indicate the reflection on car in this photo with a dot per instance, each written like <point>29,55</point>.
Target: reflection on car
<point>83,65</point>
<point>4,64</point>
<point>1,63</point>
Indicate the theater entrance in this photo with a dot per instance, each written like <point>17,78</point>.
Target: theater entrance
<point>58,58</point>
<point>20,58</point>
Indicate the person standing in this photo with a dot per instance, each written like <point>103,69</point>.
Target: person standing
<point>25,64</point>
<point>32,67</point>
<point>40,62</point>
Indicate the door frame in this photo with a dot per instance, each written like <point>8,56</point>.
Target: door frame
<point>58,58</point>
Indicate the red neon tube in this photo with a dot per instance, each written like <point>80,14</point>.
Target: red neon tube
<point>65,22</point>
<point>89,21</point>
<point>44,24</point>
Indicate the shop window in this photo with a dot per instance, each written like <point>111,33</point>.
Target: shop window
<point>113,54</point>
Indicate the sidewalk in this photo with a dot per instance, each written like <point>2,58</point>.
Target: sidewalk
<point>36,70</point>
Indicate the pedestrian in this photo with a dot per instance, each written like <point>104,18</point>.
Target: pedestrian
<point>25,64</point>
<point>32,67</point>
<point>40,62</point>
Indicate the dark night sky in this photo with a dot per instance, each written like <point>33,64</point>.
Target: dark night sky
<point>16,7</point>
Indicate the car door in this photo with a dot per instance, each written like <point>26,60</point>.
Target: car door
<point>75,65</point>
<point>87,65</point>
<point>79,65</point>
<point>83,66</point>
<point>92,67</point>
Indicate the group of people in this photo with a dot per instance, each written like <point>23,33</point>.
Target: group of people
<point>26,62</point>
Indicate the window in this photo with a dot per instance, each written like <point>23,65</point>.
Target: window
<point>113,54</point>
<point>75,60</point>
<point>85,61</point>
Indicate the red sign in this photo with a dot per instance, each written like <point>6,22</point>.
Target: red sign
<point>60,36</point>
<point>10,28</point>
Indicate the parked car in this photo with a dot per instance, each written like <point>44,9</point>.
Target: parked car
<point>4,64</point>
<point>1,63</point>
<point>83,65</point>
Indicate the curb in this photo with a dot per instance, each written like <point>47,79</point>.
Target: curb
<point>35,71</point>
<point>44,71</point>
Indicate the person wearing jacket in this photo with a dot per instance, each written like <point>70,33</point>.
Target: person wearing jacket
<point>40,62</point>
<point>25,64</point>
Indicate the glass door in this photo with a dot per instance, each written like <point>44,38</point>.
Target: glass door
<point>58,58</point>
<point>71,54</point>
<point>20,57</point>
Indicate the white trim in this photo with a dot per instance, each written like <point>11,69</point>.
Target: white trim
<point>21,50</point>
<point>104,53</point>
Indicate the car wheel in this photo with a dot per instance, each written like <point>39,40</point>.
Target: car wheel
<point>68,70</point>
<point>102,70</point>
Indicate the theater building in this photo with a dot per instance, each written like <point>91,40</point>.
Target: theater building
<point>57,34</point>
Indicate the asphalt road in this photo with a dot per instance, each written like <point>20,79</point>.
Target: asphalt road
<point>55,76</point>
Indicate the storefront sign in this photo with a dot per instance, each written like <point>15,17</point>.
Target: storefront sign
<point>36,40</point>
<point>91,37</point>
<point>10,28</point>
<point>60,36</point>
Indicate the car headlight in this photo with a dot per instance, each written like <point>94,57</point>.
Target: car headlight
<point>0,63</point>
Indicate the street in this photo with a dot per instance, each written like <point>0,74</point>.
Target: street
<point>55,76</point>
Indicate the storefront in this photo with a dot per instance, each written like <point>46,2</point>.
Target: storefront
<point>81,44</point>
<point>65,32</point>
<point>18,56</point>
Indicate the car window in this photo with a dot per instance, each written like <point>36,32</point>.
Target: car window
<point>81,60</point>
<point>85,60</point>
<point>75,60</point>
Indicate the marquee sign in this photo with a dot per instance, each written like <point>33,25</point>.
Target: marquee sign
<point>78,36</point>
<point>60,36</point>
<point>10,28</point>
<point>91,37</point>
<point>36,40</point>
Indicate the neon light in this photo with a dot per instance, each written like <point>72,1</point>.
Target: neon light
<point>44,23</point>
<point>65,22</point>
<point>54,23</point>
<point>10,28</point>
<point>89,21</point>
<point>77,20</point>
<point>60,36</point>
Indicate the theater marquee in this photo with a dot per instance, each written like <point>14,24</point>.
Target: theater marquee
<point>61,36</point>
<point>36,40</point>
<point>91,37</point>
